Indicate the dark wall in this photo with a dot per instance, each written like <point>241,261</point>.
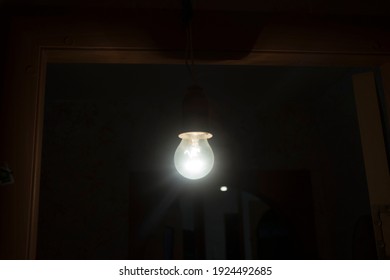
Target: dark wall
<point>104,121</point>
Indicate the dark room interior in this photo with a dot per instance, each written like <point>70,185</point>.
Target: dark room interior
<point>92,106</point>
<point>107,127</point>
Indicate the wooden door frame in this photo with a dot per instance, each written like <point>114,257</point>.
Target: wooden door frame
<point>36,41</point>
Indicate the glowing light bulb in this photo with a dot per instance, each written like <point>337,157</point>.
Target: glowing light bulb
<point>194,157</point>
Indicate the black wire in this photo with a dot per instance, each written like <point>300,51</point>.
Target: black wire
<point>189,52</point>
<point>187,11</point>
<point>193,72</point>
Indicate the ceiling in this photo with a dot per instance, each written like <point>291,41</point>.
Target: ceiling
<point>326,7</point>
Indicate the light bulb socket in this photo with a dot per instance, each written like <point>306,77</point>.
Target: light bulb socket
<point>199,135</point>
<point>195,110</point>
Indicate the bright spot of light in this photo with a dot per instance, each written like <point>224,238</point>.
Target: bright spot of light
<point>223,188</point>
<point>194,165</point>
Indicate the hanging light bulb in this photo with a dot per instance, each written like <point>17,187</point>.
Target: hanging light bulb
<point>194,157</point>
